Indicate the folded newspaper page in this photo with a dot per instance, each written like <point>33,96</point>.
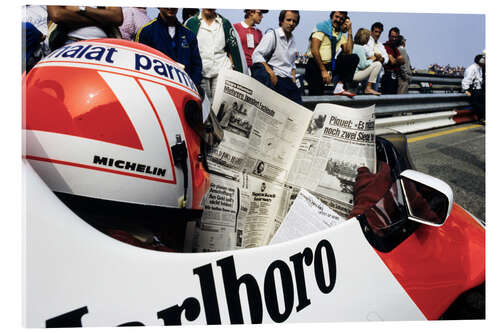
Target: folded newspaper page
<point>306,208</point>
<point>272,148</point>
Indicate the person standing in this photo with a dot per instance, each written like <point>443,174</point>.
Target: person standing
<point>218,45</point>
<point>392,69</point>
<point>166,34</point>
<point>187,13</point>
<point>473,85</point>
<point>330,55</point>
<point>250,36</point>
<point>274,58</point>
<point>133,19</point>
<point>405,77</point>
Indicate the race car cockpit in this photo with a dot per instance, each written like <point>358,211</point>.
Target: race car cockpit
<point>400,199</point>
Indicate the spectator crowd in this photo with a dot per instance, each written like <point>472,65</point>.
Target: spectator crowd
<point>446,70</point>
<point>346,61</point>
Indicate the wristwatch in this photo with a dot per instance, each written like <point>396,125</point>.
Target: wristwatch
<point>82,9</point>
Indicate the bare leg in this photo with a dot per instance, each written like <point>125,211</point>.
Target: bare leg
<point>370,91</point>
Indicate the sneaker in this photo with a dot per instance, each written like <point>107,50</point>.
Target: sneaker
<point>339,88</point>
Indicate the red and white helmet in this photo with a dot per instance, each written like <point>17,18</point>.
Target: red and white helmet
<point>115,122</point>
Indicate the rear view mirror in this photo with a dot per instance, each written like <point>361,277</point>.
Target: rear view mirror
<point>429,200</point>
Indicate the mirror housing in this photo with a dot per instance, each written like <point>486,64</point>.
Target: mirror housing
<point>429,200</point>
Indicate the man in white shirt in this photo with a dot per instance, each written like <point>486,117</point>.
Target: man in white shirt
<point>473,76</point>
<point>375,50</point>
<point>473,84</point>
<point>219,47</point>
<point>276,55</point>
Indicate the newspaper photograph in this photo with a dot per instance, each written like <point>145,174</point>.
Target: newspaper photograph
<point>337,142</point>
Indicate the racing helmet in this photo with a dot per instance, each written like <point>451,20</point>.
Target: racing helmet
<point>117,130</point>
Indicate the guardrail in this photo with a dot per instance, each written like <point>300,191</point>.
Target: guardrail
<point>418,84</point>
<point>416,77</point>
<point>434,84</point>
<point>437,80</point>
<point>390,105</point>
<point>409,112</point>
<point>431,102</point>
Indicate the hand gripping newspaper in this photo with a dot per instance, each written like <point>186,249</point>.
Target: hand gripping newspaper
<point>273,147</point>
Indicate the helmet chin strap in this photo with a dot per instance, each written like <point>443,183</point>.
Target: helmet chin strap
<point>180,155</point>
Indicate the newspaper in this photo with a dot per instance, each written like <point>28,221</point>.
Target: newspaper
<point>306,207</point>
<point>272,148</point>
<point>262,134</point>
<point>338,141</point>
<point>262,129</point>
<point>224,207</point>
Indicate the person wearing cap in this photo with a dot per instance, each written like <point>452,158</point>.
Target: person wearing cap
<point>250,36</point>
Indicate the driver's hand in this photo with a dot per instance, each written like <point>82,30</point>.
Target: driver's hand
<point>369,188</point>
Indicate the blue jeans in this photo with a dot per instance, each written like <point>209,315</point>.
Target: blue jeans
<point>284,86</point>
<point>289,89</point>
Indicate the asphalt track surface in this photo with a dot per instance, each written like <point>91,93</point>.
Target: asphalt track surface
<point>457,156</point>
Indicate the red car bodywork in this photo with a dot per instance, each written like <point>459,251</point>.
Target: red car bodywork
<point>436,265</point>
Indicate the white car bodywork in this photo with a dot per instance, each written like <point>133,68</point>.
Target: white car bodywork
<point>75,273</point>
